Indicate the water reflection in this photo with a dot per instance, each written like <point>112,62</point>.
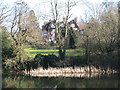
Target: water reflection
<point>11,80</point>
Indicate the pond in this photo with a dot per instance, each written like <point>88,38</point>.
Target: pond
<point>12,80</point>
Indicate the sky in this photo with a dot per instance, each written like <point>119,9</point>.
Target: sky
<point>37,6</point>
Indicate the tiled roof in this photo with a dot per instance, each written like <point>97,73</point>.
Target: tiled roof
<point>81,25</point>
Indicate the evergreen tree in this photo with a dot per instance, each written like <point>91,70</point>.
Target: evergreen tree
<point>7,49</point>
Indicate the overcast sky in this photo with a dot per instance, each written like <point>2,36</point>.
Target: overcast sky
<point>37,5</point>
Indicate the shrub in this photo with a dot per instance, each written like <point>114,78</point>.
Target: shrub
<point>7,45</point>
<point>9,64</point>
<point>77,61</point>
<point>46,60</point>
<point>20,66</point>
<point>52,59</point>
<point>38,59</point>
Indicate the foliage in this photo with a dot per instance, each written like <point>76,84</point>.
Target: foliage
<point>100,37</point>
<point>7,45</point>
<point>12,64</point>
<point>18,28</point>
<point>34,34</point>
<point>72,39</point>
<point>103,31</point>
<point>46,60</point>
<point>9,64</point>
<point>38,59</point>
<point>77,61</point>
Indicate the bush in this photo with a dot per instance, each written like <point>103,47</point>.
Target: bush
<point>77,61</point>
<point>7,45</point>
<point>9,64</point>
<point>52,59</point>
<point>7,53</point>
<point>12,64</point>
<point>20,66</point>
<point>46,60</point>
<point>38,59</point>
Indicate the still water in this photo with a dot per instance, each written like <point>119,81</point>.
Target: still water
<point>12,80</point>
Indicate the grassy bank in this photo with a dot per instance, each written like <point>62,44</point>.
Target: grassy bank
<point>31,52</point>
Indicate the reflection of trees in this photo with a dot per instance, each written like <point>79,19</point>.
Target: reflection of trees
<point>20,81</point>
<point>47,82</point>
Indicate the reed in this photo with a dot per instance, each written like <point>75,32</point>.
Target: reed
<point>70,72</point>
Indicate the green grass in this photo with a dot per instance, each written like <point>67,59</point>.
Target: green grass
<point>31,52</point>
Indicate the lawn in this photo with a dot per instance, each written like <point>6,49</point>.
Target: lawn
<point>31,52</point>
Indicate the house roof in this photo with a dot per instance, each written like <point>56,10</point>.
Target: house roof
<point>81,25</point>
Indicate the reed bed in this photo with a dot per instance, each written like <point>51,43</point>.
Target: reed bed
<point>69,72</point>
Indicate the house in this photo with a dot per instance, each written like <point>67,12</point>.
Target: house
<point>49,28</point>
<point>82,27</point>
<point>49,31</point>
<point>78,25</point>
<point>73,24</point>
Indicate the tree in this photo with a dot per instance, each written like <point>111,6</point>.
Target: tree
<point>119,34</point>
<point>59,9</point>
<point>19,29</point>
<point>104,30</point>
<point>7,45</point>
<point>101,32</point>
<point>62,39</point>
<point>5,41</point>
<point>34,33</point>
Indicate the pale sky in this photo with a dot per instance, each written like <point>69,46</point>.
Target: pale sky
<point>37,5</point>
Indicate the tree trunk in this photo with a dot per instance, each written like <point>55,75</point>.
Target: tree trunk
<point>87,51</point>
<point>62,52</point>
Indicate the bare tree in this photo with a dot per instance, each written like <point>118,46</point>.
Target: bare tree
<point>56,11</point>
<point>69,4</point>
<point>102,29</point>
<point>4,12</point>
<point>18,30</point>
